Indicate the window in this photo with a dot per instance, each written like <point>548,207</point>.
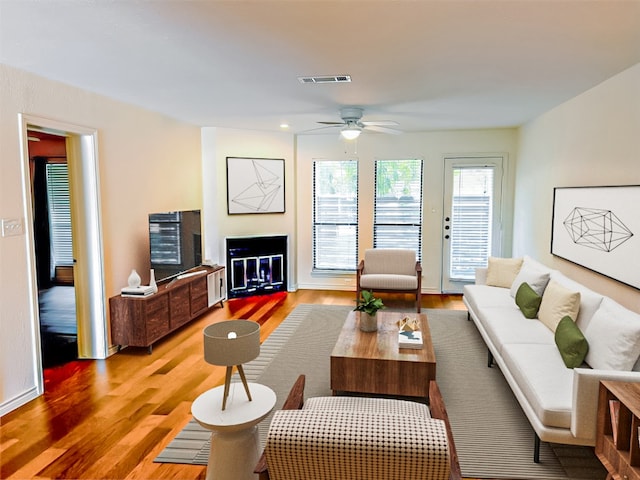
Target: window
<point>397,219</point>
<point>471,220</point>
<point>335,215</point>
<point>59,214</point>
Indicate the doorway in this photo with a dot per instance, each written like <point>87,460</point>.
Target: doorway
<point>88,260</point>
<point>471,218</point>
<point>53,243</point>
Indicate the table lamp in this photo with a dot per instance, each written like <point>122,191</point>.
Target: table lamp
<point>229,343</point>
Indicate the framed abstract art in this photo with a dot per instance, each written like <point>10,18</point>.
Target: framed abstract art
<point>599,228</point>
<point>255,185</point>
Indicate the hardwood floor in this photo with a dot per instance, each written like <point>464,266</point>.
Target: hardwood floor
<point>108,419</point>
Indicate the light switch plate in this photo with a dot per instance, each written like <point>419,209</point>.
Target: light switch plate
<point>12,227</point>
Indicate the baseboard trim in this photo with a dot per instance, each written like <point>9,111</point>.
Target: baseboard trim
<point>16,402</point>
<point>352,288</point>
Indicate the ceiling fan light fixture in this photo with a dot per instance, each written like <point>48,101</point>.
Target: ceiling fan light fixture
<point>350,132</point>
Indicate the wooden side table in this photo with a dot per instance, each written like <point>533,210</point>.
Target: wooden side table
<point>235,447</point>
<point>618,429</point>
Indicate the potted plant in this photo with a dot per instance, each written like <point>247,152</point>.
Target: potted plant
<point>368,306</point>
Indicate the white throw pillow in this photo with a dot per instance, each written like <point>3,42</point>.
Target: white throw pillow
<point>537,279</point>
<point>614,337</point>
<point>501,272</point>
<point>558,302</point>
<point>589,300</point>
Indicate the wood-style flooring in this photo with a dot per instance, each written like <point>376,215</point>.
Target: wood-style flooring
<point>109,419</point>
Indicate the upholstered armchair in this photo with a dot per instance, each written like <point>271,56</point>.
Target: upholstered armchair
<point>338,438</point>
<point>390,270</point>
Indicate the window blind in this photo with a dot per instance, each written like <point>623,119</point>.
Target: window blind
<point>398,205</point>
<point>471,220</point>
<point>335,215</point>
<point>59,214</point>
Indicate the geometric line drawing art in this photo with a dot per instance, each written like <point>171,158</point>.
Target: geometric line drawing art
<point>255,185</point>
<point>260,195</point>
<point>596,228</point>
<point>606,239</point>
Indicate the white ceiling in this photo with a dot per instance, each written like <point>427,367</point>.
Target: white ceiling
<point>424,64</point>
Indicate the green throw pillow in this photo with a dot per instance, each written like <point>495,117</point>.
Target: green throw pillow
<point>571,343</point>
<point>528,300</point>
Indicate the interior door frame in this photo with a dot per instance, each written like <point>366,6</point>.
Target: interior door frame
<point>499,161</point>
<point>82,159</point>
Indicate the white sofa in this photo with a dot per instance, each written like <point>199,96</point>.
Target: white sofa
<point>560,402</point>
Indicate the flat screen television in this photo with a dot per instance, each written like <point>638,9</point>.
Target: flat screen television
<point>175,242</point>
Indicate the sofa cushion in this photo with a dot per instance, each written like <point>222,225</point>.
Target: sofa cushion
<point>378,281</point>
<point>589,300</point>
<point>540,373</point>
<point>558,302</point>
<point>481,296</point>
<point>614,337</point>
<point>572,345</point>
<point>507,325</point>
<point>384,260</point>
<point>501,272</point>
<point>528,300</point>
<point>530,273</point>
<point>365,404</point>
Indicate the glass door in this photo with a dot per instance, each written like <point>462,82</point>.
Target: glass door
<point>471,221</point>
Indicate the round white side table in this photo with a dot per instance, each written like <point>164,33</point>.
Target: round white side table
<point>235,446</point>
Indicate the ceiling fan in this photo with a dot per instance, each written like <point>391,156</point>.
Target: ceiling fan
<point>352,125</point>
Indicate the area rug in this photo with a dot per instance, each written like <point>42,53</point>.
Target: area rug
<point>492,435</point>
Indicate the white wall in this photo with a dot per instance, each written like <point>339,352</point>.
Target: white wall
<point>220,143</point>
<point>429,146</point>
<point>591,140</point>
<point>147,162</point>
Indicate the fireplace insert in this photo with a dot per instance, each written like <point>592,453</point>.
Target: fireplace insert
<point>257,265</point>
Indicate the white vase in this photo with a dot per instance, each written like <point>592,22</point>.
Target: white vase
<point>134,279</point>
<point>152,281</point>
<point>368,323</point>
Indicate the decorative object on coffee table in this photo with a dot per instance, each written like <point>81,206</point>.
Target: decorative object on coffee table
<point>230,343</point>
<point>368,306</point>
<point>409,334</point>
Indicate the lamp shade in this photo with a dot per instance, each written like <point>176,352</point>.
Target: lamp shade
<point>232,342</point>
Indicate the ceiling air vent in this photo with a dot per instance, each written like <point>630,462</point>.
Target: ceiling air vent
<point>326,79</point>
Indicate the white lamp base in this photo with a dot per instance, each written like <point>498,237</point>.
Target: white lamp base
<point>232,453</point>
<point>235,448</point>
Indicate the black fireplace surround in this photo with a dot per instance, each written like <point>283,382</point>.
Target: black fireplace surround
<point>256,265</point>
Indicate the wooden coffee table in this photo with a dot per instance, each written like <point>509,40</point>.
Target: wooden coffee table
<point>371,362</point>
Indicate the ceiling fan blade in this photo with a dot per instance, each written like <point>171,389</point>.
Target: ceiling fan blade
<point>375,128</point>
<point>332,123</point>
<point>381,123</point>
<point>321,128</point>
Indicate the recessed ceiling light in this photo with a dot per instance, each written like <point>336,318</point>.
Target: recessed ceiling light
<point>284,125</point>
